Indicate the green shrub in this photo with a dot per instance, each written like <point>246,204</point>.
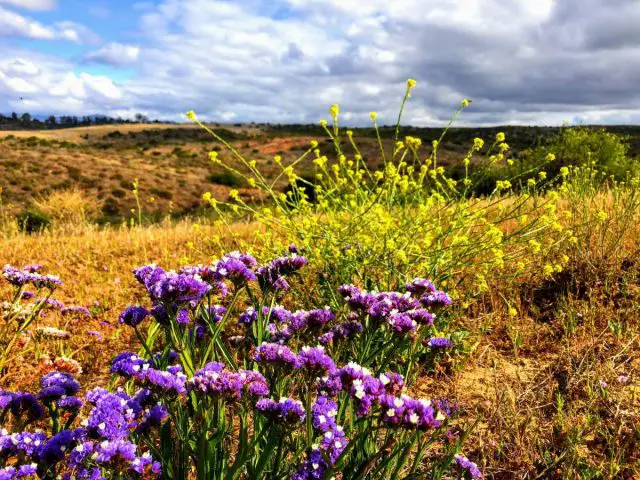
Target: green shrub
<point>579,147</point>
<point>32,220</point>
<point>161,193</point>
<point>227,178</point>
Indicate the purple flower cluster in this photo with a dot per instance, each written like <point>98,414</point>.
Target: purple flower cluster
<point>468,465</point>
<point>22,405</point>
<point>287,411</point>
<point>215,381</point>
<point>60,387</point>
<point>440,342</point>
<point>169,382</point>
<point>23,471</point>
<point>29,274</point>
<point>403,313</point>
<point>272,276</point>
<point>341,331</point>
<point>334,439</point>
<point>315,361</point>
<point>171,288</point>
<point>410,413</point>
<point>236,267</point>
<point>133,316</point>
<point>102,442</point>
<point>115,454</point>
<point>313,468</point>
<point>275,354</point>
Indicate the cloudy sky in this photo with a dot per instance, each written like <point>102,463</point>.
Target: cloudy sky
<point>520,61</point>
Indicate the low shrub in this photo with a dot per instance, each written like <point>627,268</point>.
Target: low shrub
<point>227,178</point>
<point>33,220</point>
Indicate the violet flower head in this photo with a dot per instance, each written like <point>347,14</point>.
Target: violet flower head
<point>402,323</point>
<point>56,447</point>
<point>341,331</point>
<point>420,287</point>
<point>182,317</point>
<point>247,317</point>
<point>236,267</point>
<point>324,412</point>
<point>16,276</point>
<point>57,385</point>
<point>129,364</point>
<point>215,381</point>
<point>393,382</point>
<point>313,468</point>
<point>316,361</point>
<point>21,277</point>
<point>133,316</point>
<point>275,354</point>
<point>174,288</point>
<point>287,411</point>
<point>272,276</point>
<point>468,465</point>
<point>147,275</point>
<point>409,413</point>
<point>437,299</point>
<point>440,342</point>
<point>113,416</point>
<point>318,318</point>
<point>24,406</point>
<point>70,404</point>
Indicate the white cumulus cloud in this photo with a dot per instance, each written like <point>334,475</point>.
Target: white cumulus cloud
<point>31,4</point>
<point>114,54</point>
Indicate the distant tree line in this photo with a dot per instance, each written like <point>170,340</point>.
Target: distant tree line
<point>26,121</point>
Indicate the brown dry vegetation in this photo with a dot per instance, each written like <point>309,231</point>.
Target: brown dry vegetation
<point>170,162</point>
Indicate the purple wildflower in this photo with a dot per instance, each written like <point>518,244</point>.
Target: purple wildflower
<point>23,443</point>
<point>315,360</point>
<point>182,317</point>
<point>153,417</point>
<point>420,286</point>
<point>276,354</point>
<point>56,447</point>
<point>287,411</point>
<point>62,380</point>
<point>436,299</point>
<point>272,276</point>
<point>313,468</point>
<point>133,316</point>
<point>112,417</point>
<point>324,412</point>
<point>440,342</point>
<point>174,288</point>
<point>468,465</point>
<point>248,316</point>
<point>409,413</point>
<point>215,381</point>
<point>95,333</point>
<point>236,267</point>
<point>25,406</point>
<point>71,404</point>
<point>402,323</point>
<point>340,331</point>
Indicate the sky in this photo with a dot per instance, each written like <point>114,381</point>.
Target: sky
<point>544,62</point>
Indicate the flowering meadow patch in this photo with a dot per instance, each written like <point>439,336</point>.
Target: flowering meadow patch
<point>230,383</point>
